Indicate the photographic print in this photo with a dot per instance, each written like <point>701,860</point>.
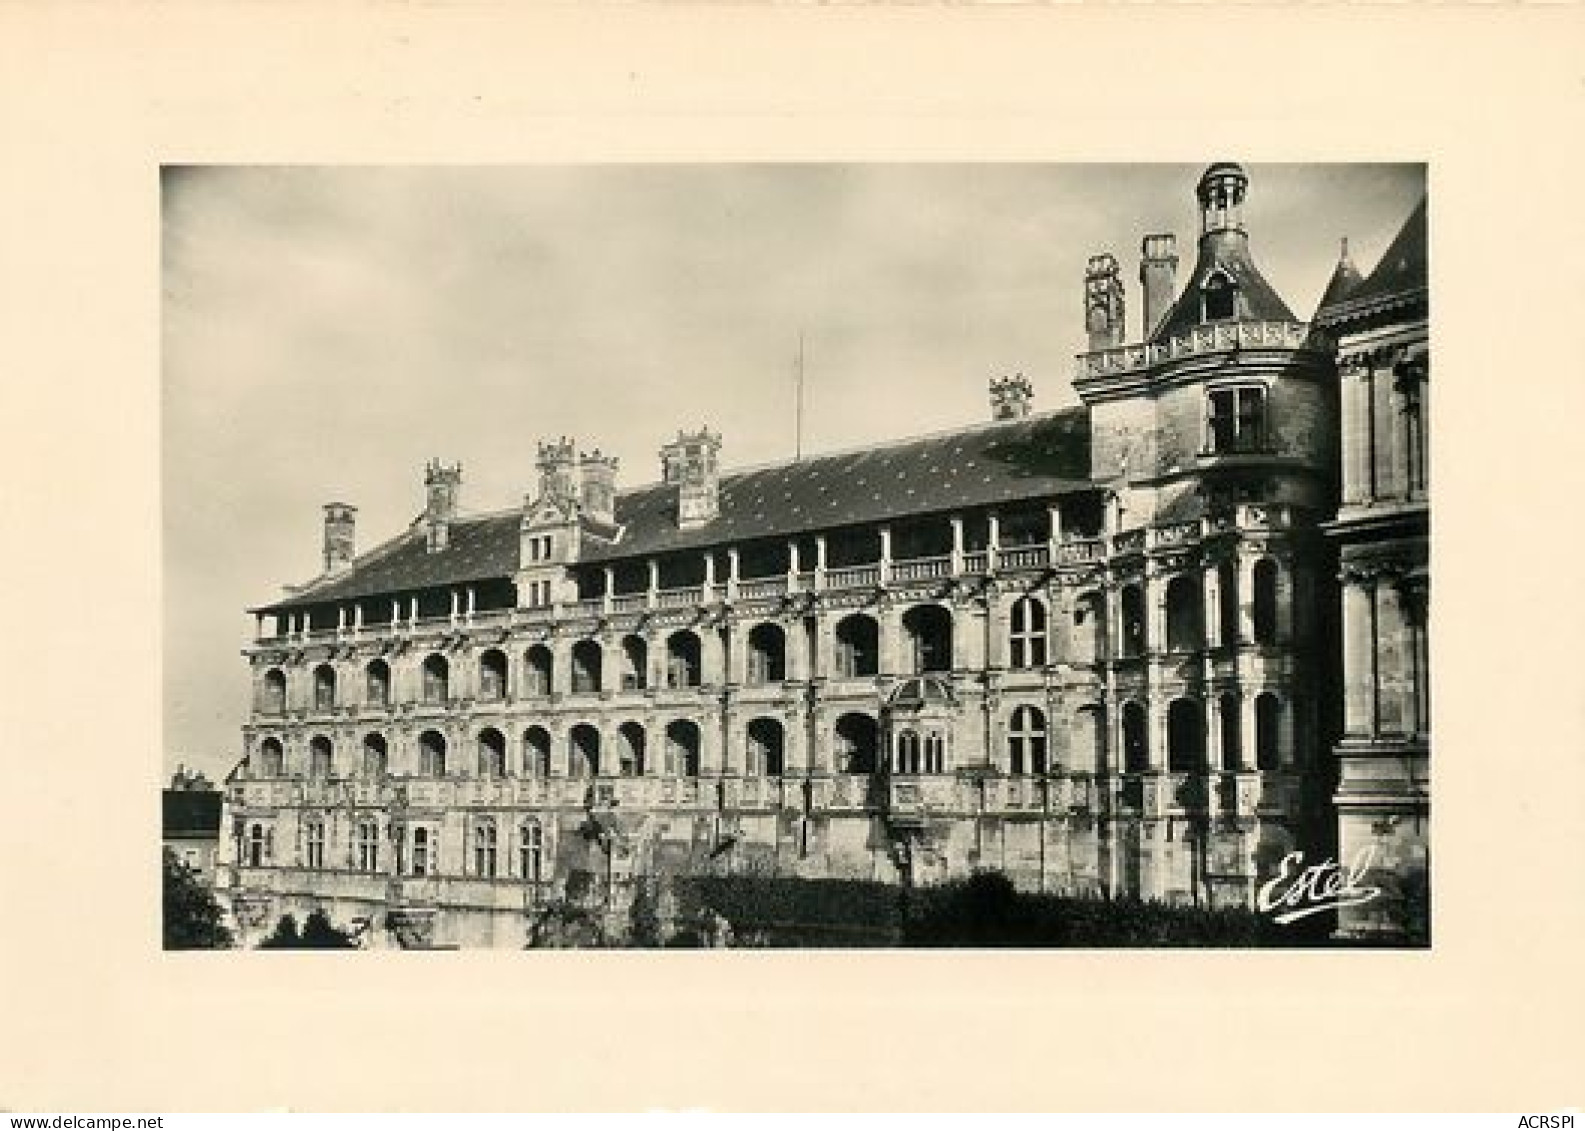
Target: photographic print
<point>794,556</point>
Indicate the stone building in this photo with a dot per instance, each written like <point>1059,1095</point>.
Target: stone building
<point>190,821</point>
<point>1383,534</point>
<point>1081,647</point>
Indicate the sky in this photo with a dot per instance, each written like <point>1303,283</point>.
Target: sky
<point>327,330</point>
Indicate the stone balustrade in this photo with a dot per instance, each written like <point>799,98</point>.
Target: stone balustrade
<point>1214,338</point>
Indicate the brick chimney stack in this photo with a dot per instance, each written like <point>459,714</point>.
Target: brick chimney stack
<point>692,463</point>
<point>443,486</point>
<point>1158,276</point>
<point>598,483</point>
<point>1011,397</point>
<point>340,537</point>
<point>1103,302</point>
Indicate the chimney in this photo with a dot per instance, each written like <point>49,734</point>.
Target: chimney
<point>1103,302</point>
<point>442,484</point>
<point>1158,275</point>
<point>691,462</point>
<point>1010,397</point>
<point>598,475</point>
<point>558,466</point>
<point>340,542</point>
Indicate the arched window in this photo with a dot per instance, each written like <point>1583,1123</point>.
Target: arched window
<point>314,843</point>
<point>856,743</point>
<point>376,756</point>
<point>256,846</point>
<point>1185,737</point>
<point>320,758</point>
<point>1028,634</point>
<point>767,654</point>
<point>584,752</point>
<point>935,753</point>
<point>492,753</point>
<point>492,675</point>
<point>536,752</point>
<point>484,849</point>
<point>1089,740</point>
<point>1232,731</point>
<point>367,841</point>
<point>929,632</point>
<point>1227,602</point>
<point>531,851</point>
<point>324,688</point>
<point>431,755</point>
<point>272,699</point>
<point>539,669</point>
<point>766,748</point>
<point>1136,741</point>
<point>1089,628</point>
<point>378,684</point>
<point>906,760</point>
<point>1133,610</point>
<point>272,758</point>
<point>682,748</point>
<point>1185,614</point>
<point>1265,601</point>
<point>1219,294</point>
<point>630,750</point>
<point>635,663</point>
<point>1026,741</point>
<point>683,667</point>
<point>437,679</point>
<point>586,659</point>
<point>858,646</point>
<point>1268,713</point>
<point>422,860</point>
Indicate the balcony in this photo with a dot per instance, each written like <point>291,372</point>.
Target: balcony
<point>1215,338</point>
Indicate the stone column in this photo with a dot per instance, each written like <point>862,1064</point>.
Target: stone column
<point>957,545</point>
<point>1213,606</point>
<point>820,561</point>
<point>1246,593</point>
<point>1248,732</point>
<point>1157,714</point>
<point>712,658</point>
<point>893,646</point>
<point>886,554</point>
<point>731,573</point>
<point>1359,655</point>
<point>654,583</point>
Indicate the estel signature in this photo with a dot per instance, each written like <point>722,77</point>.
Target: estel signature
<point>1320,887</point>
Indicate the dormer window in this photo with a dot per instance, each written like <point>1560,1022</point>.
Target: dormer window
<point>1218,295</point>
<point>1236,420</point>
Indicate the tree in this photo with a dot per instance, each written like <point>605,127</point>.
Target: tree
<point>193,919</point>
<point>318,933</point>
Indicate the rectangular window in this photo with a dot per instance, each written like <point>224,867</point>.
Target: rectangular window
<point>316,844</point>
<point>1236,420</point>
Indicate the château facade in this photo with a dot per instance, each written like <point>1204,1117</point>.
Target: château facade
<point>1090,648</point>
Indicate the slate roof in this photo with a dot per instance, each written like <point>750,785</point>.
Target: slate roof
<point>1344,283</point>
<point>188,813</point>
<point>1037,456</point>
<point>1401,273</point>
<point>1258,300</point>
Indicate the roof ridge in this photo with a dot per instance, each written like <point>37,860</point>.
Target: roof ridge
<point>862,449</point>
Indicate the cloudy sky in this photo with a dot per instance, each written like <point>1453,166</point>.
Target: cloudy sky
<point>327,330</point>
